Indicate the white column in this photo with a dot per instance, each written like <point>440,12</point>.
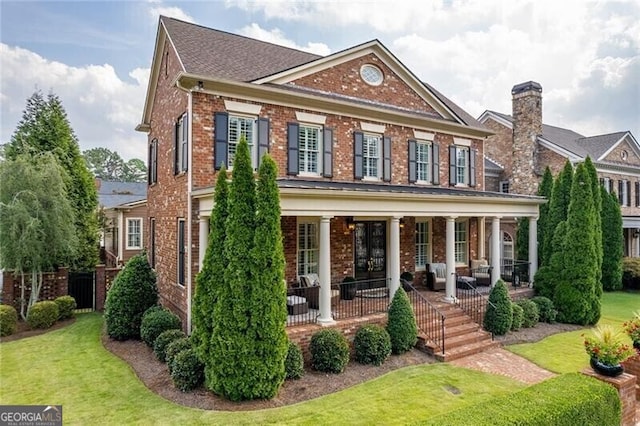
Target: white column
<point>394,258</point>
<point>450,289</point>
<point>533,248</point>
<point>324,271</point>
<point>203,239</point>
<point>495,249</point>
<point>481,233</point>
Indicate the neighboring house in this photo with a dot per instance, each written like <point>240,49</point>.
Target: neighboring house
<point>378,172</point>
<point>123,211</point>
<point>523,146</point>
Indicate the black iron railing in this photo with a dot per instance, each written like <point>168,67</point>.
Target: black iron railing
<point>428,318</point>
<point>471,301</point>
<point>514,271</point>
<point>362,297</point>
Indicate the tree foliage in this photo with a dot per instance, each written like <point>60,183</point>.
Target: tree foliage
<point>558,206</point>
<point>401,323</point>
<point>499,315</point>
<point>44,127</point>
<point>612,241</point>
<point>544,190</point>
<point>108,165</point>
<point>597,229</point>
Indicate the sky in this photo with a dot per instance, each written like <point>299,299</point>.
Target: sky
<point>96,55</point>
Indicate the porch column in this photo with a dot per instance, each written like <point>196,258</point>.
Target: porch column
<point>533,248</point>
<point>324,271</point>
<point>203,239</point>
<point>450,289</point>
<point>481,225</point>
<point>495,249</point>
<point>394,258</point>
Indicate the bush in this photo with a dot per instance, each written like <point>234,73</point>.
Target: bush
<point>631,273</point>
<point>294,362</point>
<point>43,314</point>
<point>531,314</point>
<point>329,351</point>
<point>372,345</point>
<point>155,321</point>
<point>187,372</point>
<point>66,305</point>
<point>401,323</point>
<point>163,340</point>
<point>518,317</point>
<point>499,315</point>
<point>544,281</point>
<point>8,320</point>
<point>546,309</point>
<point>174,348</point>
<point>132,293</point>
<point>567,400</point>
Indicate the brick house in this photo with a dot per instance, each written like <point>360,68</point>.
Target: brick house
<point>523,146</point>
<point>378,171</point>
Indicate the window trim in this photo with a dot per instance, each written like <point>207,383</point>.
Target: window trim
<point>181,145</point>
<point>503,184</point>
<point>466,169</point>
<point>316,224</point>
<point>253,144</point>
<point>429,163</point>
<point>128,234</point>
<point>152,166</point>
<point>465,223</point>
<point>320,151</point>
<point>427,243</point>
<point>379,164</point>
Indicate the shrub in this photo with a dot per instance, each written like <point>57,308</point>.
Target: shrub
<point>174,348</point>
<point>66,305</point>
<point>544,281</point>
<point>155,321</point>
<point>499,315</point>
<point>132,293</point>
<point>163,340</point>
<point>372,345</point>
<point>329,351</point>
<point>187,372</point>
<point>401,323</point>
<point>531,314</point>
<point>518,317</point>
<point>294,362</point>
<point>546,309</point>
<point>43,314</point>
<point>8,320</point>
<point>631,273</point>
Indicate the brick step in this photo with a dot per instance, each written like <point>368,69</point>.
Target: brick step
<point>450,322</point>
<point>461,340</point>
<point>466,350</point>
<point>464,328</point>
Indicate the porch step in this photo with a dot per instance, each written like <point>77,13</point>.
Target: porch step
<point>466,350</point>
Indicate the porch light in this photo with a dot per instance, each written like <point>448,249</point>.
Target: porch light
<point>351,225</point>
<point>401,223</point>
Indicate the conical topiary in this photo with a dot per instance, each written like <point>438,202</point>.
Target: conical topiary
<point>499,315</point>
<point>401,323</point>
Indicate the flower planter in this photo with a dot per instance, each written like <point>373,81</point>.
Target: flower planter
<point>606,370</point>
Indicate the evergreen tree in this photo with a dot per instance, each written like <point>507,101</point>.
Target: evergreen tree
<point>575,296</point>
<point>268,293</point>
<point>522,239</point>
<point>499,315</point>
<point>560,197</point>
<point>211,276</point>
<point>612,241</point>
<point>597,230</point>
<point>544,190</point>
<point>44,127</point>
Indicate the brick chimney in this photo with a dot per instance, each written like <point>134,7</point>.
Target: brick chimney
<point>527,125</point>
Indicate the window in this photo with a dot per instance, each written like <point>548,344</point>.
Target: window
<point>152,242</point>
<point>134,233</point>
<point>239,127</point>
<point>462,165</point>
<point>309,149</point>
<point>371,156</point>
<point>182,251</point>
<point>423,249</point>
<point>307,248</point>
<point>507,246</point>
<point>423,161</point>
<point>461,242</point>
<point>181,145</point>
<point>229,129</point>
<point>152,174</point>
<point>504,186</point>
<point>371,74</point>
<point>637,185</point>
<point>624,189</point>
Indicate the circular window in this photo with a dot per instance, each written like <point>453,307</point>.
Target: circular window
<point>624,155</point>
<point>371,74</point>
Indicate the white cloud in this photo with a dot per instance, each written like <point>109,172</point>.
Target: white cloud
<point>157,9</point>
<point>102,108</point>
<point>276,36</point>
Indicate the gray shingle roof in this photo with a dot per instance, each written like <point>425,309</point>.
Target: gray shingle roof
<point>491,166</point>
<point>595,146</point>
<point>112,194</point>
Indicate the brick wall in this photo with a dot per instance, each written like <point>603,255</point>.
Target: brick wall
<point>632,366</point>
<point>625,385</point>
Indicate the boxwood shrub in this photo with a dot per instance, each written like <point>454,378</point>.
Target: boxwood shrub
<point>155,321</point>
<point>372,345</point>
<point>531,314</point>
<point>401,323</point>
<point>66,305</point>
<point>567,400</point>
<point>43,314</point>
<point>518,317</point>
<point>329,351</point>
<point>174,348</point>
<point>499,315</point>
<point>8,320</point>
<point>546,309</point>
<point>187,371</point>
<point>163,340</point>
<point>294,362</point>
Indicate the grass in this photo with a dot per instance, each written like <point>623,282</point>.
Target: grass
<point>564,352</point>
<point>70,367</point>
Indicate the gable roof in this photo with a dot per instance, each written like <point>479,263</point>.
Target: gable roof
<point>599,146</point>
<point>112,193</point>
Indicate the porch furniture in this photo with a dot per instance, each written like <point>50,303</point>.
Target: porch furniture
<point>481,271</point>
<point>436,276</point>
<point>297,305</point>
<point>310,290</point>
<point>464,282</point>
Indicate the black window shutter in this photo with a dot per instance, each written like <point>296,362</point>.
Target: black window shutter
<point>176,147</point>
<point>413,173</point>
<point>628,182</point>
<point>293,130</point>
<point>184,143</point>
<point>452,165</point>
<point>327,147</point>
<point>150,164</point>
<point>181,252</point>
<point>386,163</point>
<point>637,185</point>
<point>436,163</point>
<point>358,163</point>
<point>610,185</point>
<point>472,167</point>
<point>620,192</point>
<point>263,137</point>
<point>221,139</point>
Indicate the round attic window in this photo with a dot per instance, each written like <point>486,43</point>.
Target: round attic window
<point>624,155</point>
<point>371,74</point>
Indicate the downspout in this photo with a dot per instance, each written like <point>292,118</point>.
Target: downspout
<point>121,236</point>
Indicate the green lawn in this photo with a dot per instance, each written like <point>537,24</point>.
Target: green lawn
<point>70,367</point>
<point>564,352</point>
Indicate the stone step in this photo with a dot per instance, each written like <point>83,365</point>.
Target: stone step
<point>466,350</point>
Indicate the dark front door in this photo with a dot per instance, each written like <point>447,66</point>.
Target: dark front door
<point>370,253</point>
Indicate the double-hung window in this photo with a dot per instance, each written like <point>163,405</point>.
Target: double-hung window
<point>230,128</point>
<point>181,145</point>
<point>424,158</point>
<point>624,189</point>
<point>309,149</point>
<point>152,174</point>
<point>423,249</point>
<point>307,248</point>
<point>462,165</point>
<point>423,161</point>
<point>461,242</point>
<point>240,127</point>
<point>134,233</point>
<point>371,156</point>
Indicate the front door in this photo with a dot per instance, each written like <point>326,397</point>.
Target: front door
<point>370,253</point>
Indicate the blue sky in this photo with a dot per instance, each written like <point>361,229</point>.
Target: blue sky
<point>96,55</point>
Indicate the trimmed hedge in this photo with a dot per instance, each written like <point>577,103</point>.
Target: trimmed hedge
<point>372,345</point>
<point>66,305</point>
<point>329,351</point>
<point>8,320</point>
<point>174,348</point>
<point>499,315</point>
<point>567,400</point>
<point>294,362</point>
<point>531,314</point>
<point>163,340</point>
<point>518,317</point>
<point>187,370</point>
<point>155,321</point>
<point>43,314</point>
<point>545,308</point>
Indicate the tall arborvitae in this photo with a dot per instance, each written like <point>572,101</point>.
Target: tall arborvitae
<point>558,206</point>
<point>575,296</point>
<point>211,275</point>
<point>522,239</point>
<point>597,230</point>
<point>550,275</point>
<point>268,293</point>
<point>230,370</point>
<point>612,241</point>
<point>544,190</point>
